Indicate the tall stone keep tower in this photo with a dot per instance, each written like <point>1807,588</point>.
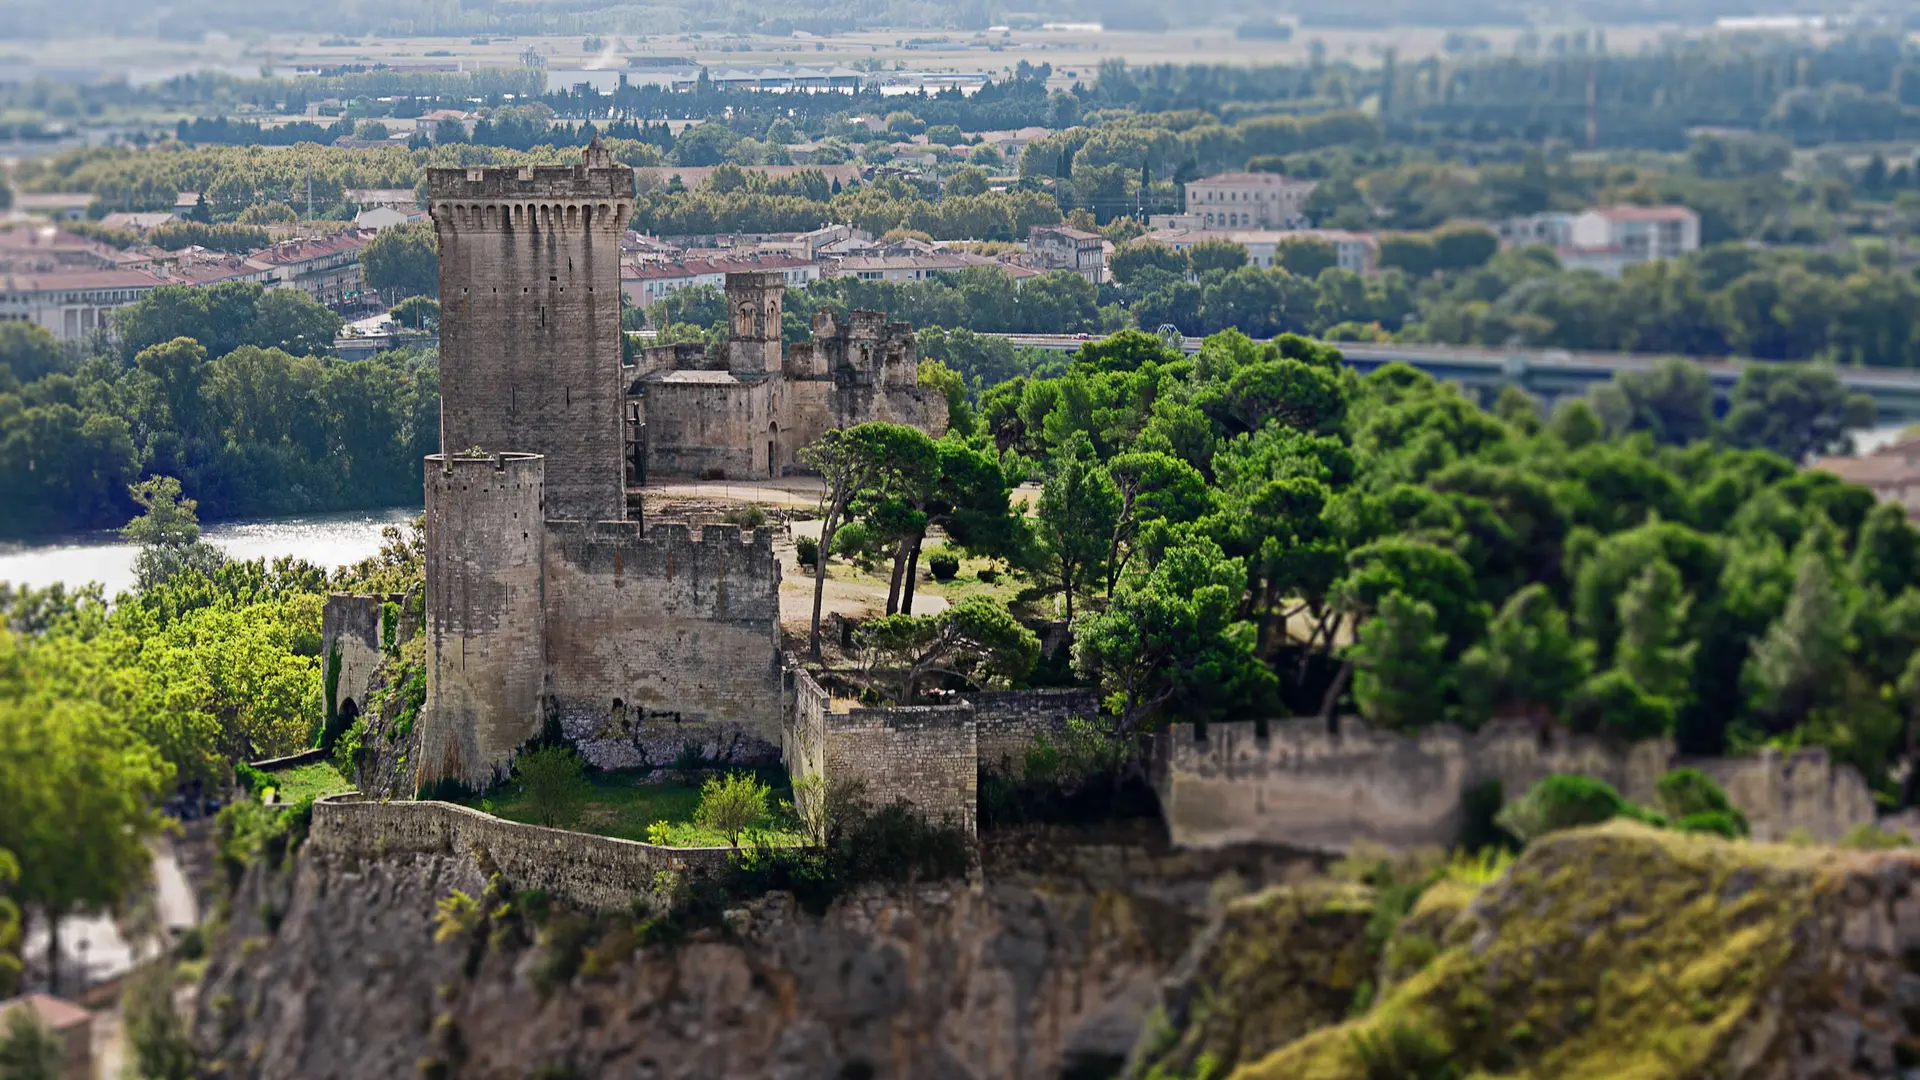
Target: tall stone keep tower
<point>753,309</point>
<point>530,322</point>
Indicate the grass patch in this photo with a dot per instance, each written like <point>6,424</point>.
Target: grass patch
<point>305,782</point>
<point>622,804</point>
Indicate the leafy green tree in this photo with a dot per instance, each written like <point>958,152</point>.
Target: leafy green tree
<point>82,793</point>
<point>1078,512</point>
<point>167,533</point>
<point>1141,256</point>
<point>975,640</point>
<point>1801,663</point>
<point>1530,659</point>
<point>1208,256</point>
<point>1169,642</point>
<point>417,313</point>
<point>849,461</point>
<point>555,783</point>
<point>29,1050</point>
<point>731,805</point>
<point>1400,676</point>
<point>154,1030</point>
<point>1653,650</point>
<point>10,961</point>
<point>27,351</point>
<point>403,261</point>
<point>1153,487</point>
<point>1795,412</point>
<point>1306,257</point>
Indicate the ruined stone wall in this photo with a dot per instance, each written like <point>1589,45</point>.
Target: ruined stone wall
<point>486,621</point>
<point>1007,721</point>
<point>1803,790</point>
<point>663,638</point>
<point>530,338</point>
<point>710,428</point>
<point>924,754</point>
<point>804,736</point>
<point>595,872</point>
<point>1302,786</point>
<point>350,647</point>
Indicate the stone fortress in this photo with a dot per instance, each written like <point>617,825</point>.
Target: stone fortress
<point>547,604</point>
<point>743,409</point>
<point>547,601</point>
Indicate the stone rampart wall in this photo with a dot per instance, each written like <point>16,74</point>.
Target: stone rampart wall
<point>1301,786</point>
<point>1007,721</point>
<point>664,638</point>
<point>579,868</point>
<point>924,754</point>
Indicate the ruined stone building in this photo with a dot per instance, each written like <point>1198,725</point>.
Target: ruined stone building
<point>744,409</point>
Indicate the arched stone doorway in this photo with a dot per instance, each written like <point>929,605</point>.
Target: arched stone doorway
<point>773,450</point>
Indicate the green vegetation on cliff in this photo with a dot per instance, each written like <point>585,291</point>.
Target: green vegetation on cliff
<point>1622,952</point>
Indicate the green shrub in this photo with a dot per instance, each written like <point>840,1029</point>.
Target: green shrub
<point>943,565</point>
<point>555,783</point>
<point>806,550</point>
<point>987,575</point>
<point>1719,822</point>
<point>730,805</point>
<point>1564,801</point>
<point>250,778</point>
<point>1690,795</point>
<point>853,540</point>
<point>750,516</point>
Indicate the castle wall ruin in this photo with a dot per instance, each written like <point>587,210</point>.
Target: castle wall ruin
<point>350,650</point>
<point>662,638</point>
<point>593,872</point>
<point>1300,785</point>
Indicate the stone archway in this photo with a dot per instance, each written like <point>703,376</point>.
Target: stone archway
<point>773,450</point>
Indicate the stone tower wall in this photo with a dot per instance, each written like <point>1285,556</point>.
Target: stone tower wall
<point>754,303</point>
<point>530,322</point>
<point>486,618</point>
<point>664,638</point>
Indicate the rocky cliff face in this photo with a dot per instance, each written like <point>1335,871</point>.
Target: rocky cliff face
<point>1610,952</point>
<point>331,969</point>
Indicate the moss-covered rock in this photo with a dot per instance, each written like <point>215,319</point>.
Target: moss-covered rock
<point>1273,967</point>
<point>1625,953</point>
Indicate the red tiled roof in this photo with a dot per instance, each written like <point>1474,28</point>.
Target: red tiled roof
<point>56,1013</point>
<point>58,280</point>
<point>293,251</point>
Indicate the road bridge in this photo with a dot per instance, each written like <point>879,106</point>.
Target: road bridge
<point>1555,373</point>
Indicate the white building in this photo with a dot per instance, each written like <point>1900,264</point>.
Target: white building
<point>915,266</point>
<point>1247,200</point>
<point>72,304</point>
<point>1058,247</point>
<point>1611,238</point>
<point>1358,252</point>
<point>382,218</point>
<point>647,282</point>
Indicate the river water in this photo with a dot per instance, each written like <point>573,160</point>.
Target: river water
<point>328,540</point>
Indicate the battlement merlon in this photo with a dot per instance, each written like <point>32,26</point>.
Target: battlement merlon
<point>666,536</point>
<point>530,182</point>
